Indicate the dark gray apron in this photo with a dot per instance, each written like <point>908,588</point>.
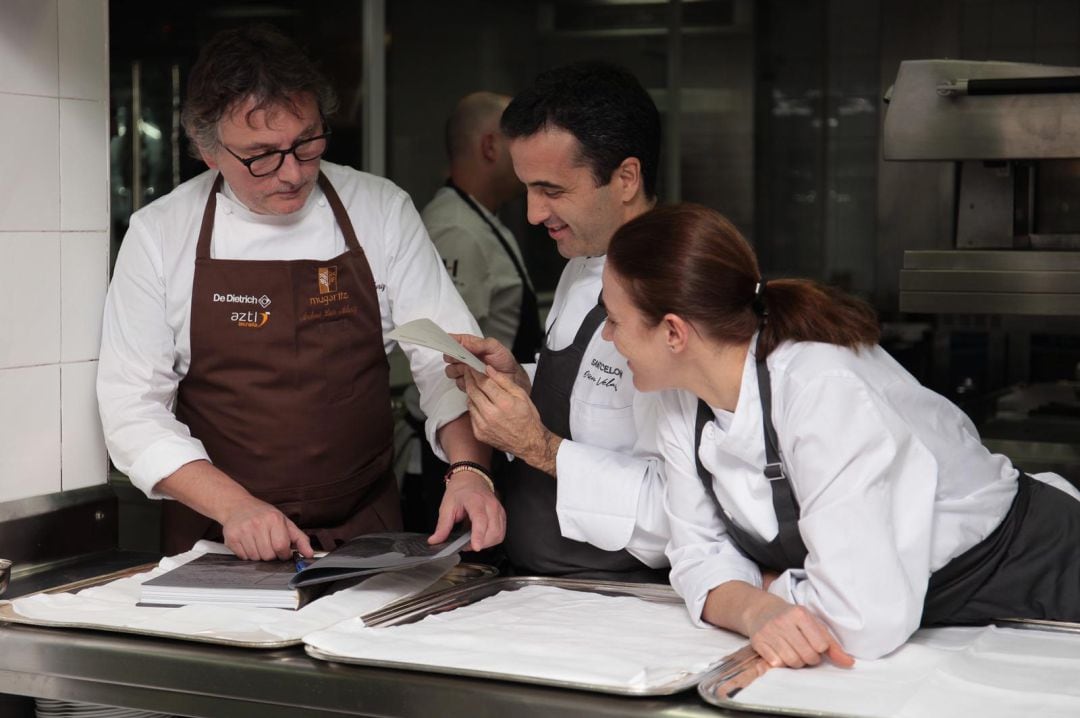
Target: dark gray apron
<point>1028,567</point>
<point>534,542</point>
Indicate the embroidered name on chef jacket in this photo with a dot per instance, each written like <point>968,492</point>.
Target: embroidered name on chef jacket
<point>602,375</point>
<point>247,319</point>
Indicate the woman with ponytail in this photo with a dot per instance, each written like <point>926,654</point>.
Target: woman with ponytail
<point>822,502</point>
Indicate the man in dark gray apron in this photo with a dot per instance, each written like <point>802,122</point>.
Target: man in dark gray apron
<point>252,300</point>
<point>584,493</point>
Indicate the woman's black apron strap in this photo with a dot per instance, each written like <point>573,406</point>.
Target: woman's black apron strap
<point>783,498</point>
<point>787,549</point>
<point>530,335</point>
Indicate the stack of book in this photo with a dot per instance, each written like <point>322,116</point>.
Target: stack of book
<point>215,578</point>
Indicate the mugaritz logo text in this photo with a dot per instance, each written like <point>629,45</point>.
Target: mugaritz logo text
<point>263,301</point>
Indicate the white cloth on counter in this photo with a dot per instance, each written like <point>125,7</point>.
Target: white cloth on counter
<point>989,672</point>
<point>113,605</point>
<point>891,479</point>
<point>145,343</point>
<point>620,643</point>
<point>610,487</point>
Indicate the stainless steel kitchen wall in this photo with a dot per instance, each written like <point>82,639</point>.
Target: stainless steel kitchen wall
<point>816,133</point>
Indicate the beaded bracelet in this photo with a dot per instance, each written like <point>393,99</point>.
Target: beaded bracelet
<point>459,466</point>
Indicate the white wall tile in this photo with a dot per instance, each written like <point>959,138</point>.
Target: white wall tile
<point>30,148</point>
<point>29,298</point>
<point>83,50</point>
<point>48,410</point>
<point>84,277</point>
<point>84,165</point>
<point>28,47</point>
<point>85,461</point>
<point>29,432</point>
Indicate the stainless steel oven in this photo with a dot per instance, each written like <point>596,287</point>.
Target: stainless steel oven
<point>1011,133</point>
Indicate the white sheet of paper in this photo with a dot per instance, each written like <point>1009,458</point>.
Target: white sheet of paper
<point>427,333</point>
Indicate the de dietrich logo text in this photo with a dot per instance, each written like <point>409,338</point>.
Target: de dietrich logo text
<point>250,319</point>
<point>230,298</point>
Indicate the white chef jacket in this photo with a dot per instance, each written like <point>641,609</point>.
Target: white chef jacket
<point>891,479</point>
<point>145,343</point>
<point>483,273</point>
<point>609,490</point>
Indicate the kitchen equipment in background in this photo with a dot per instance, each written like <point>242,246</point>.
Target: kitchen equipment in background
<point>1006,296</point>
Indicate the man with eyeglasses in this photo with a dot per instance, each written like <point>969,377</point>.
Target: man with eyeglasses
<point>243,368</point>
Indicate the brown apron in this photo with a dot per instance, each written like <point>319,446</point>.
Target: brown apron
<point>289,389</point>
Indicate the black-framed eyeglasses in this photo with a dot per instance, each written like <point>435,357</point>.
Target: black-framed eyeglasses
<point>305,150</point>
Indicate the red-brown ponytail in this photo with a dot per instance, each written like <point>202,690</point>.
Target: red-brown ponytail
<point>690,261</point>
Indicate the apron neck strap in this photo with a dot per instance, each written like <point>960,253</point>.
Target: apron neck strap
<point>206,229</point>
<point>774,467</point>
<point>340,214</point>
<point>787,550</point>
<point>784,502</point>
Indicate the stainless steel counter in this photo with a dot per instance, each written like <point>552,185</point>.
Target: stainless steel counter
<point>198,680</point>
<point>193,679</point>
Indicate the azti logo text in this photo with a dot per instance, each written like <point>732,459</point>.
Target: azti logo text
<point>250,320</point>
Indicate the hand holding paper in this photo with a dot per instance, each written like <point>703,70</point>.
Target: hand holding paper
<point>492,353</point>
<point>427,333</point>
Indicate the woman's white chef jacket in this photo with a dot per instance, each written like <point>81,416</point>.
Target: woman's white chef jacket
<point>609,490</point>
<point>145,346</point>
<point>890,477</point>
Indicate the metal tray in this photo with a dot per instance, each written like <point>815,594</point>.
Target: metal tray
<point>721,687</point>
<point>460,575</point>
<point>1036,624</point>
<point>415,609</point>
